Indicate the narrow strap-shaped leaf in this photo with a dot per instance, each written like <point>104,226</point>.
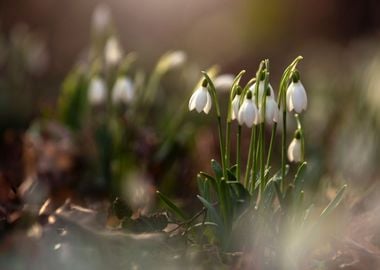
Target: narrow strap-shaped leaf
<point>213,214</point>
<point>180,214</point>
<point>217,169</point>
<point>335,202</point>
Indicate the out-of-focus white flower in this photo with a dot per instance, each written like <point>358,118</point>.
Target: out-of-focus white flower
<point>171,60</point>
<point>295,150</point>
<point>123,91</point>
<point>112,51</point>
<point>235,106</point>
<point>248,113</point>
<point>97,91</point>
<point>201,100</point>
<point>271,111</point>
<point>296,98</point>
<point>101,18</point>
<point>261,90</point>
<point>224,82</point>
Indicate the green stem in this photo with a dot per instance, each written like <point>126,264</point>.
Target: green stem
<point>251,153</point>
<point>238,156</point>
<point>273,135</point>
<point>262,146</point>
<point>212,91</point>
<point>283,150</point>
<point>227,145</point>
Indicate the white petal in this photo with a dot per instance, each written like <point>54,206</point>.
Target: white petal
<point>249,114</point>
<point>294,150</point>
<point>200,99</point>
<point>241,113</point>
<point>289,93</point>
<point>235,107</point>
<point>97,91</point>
<point>112,51</point>
<point>299,98</point>
<point>208,104</point>
<point>192,101</point>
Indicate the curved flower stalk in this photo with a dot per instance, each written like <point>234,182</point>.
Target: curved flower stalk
<point>248,113</point>
<point>123,91</point>
<point>296,98</point>
<point>295,148</point>
<point>97,91</point>
<point>200,100</point>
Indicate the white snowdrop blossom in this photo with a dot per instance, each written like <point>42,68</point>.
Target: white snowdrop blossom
<point>223,83</point>
<point>101,18</point>
<point>295,150</point>
<point>261,90</point>
<point>271,111</point>
<point>235,107</point>
<point>200,100</point>
<point>123,90</point>
<point>171,60</point>
<point>248,113</point>
<point>296,98</point>
<point>112,51</point>
<point>97,91</point>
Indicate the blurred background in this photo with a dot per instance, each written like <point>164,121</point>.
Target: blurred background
<point>41,41</point>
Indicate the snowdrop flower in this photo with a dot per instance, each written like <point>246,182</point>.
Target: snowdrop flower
<point>171,60</point>
<point>123,91</point>
<point>112,51</point>
<point>201,99</point>
<point>235,104</point>
<point>101,18</point>
<point>295,149</point>
<point>261,90</point>
<point>224,82</point>
<point>248,113</point>
<point>271,111</point>
<point>97,91</point>
<point>296,98</point>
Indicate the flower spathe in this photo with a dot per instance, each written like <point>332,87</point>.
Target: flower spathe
<point>123,90</point>
<point>200,100</point>
<point>295,150</point>
<point>296,98</point>
<point>97,91</point>
<point>248,113</point>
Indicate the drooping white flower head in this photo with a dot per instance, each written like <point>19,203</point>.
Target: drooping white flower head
<point>261,90</point>
<point>223,83</point>
<point>123,90</point>
<point>171,60</point>
<point>296,98</point>
<point>271,111</point>
<point>101,17</point>
<point>200,100</point>
<point>248,113</point>
<point>235,104</point>
<point>112,52</point>
<point>97,91</point>
<point>295,149</point>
